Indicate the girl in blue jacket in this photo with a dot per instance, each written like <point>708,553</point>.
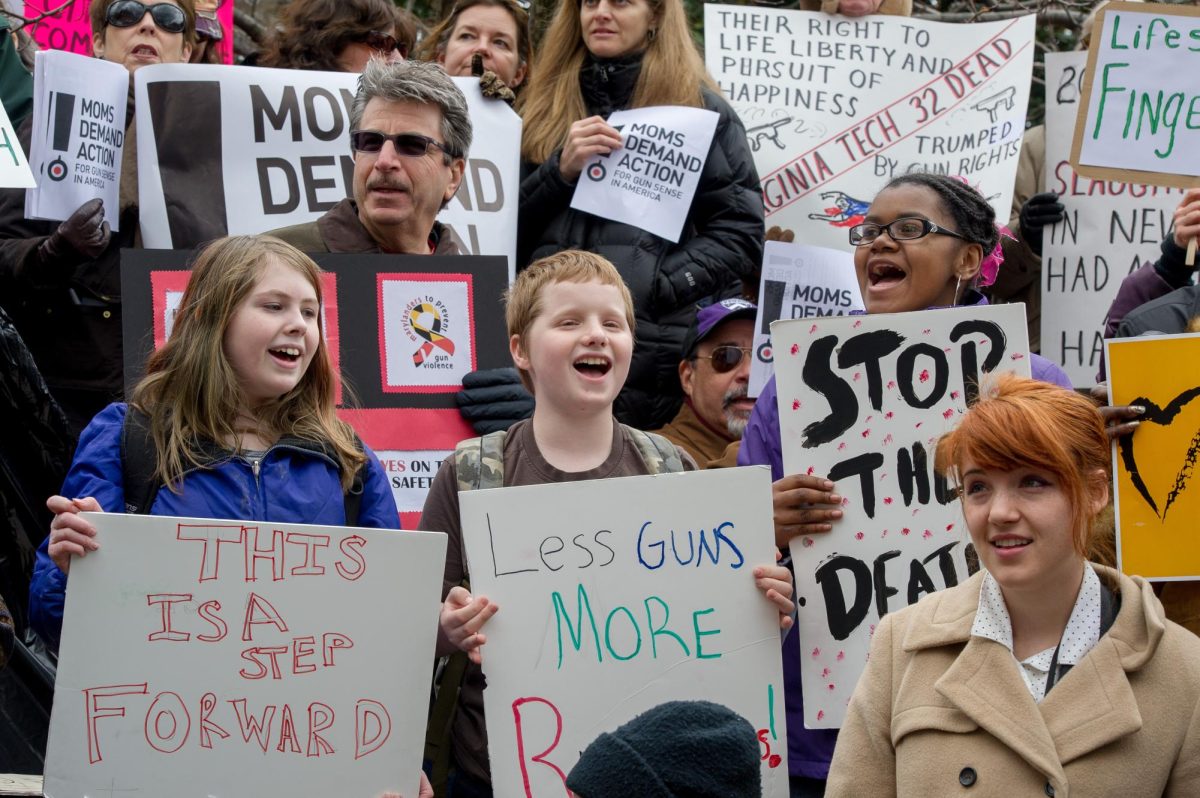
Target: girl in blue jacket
<point>239,404</point>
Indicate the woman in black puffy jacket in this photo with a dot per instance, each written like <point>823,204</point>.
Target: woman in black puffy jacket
<point>600,56</point>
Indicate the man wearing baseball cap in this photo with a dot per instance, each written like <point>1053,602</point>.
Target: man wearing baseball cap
<point>715,373</point>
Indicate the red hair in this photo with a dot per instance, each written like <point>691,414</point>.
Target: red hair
<point>1024,423</point>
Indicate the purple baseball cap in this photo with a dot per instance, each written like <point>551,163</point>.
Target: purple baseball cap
<point>712,315</point>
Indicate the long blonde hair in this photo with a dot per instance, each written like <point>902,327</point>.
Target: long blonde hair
<point>190,391</point>
<point>672,74</point>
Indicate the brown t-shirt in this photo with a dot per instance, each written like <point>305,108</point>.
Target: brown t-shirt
<point>523,465</point>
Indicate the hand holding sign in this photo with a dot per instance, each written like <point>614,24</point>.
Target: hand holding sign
<point>1187,224</point>
<point>586,138</point>
<point>462,620</point>
<point>70,534</point>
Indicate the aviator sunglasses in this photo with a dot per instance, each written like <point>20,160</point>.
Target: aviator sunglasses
<point>127,13</point>
<point>410,145</point>
<point>383,42</point>
<point>727,357</point>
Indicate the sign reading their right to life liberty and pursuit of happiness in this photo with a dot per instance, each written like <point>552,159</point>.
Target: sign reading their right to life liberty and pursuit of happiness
<point>1157,484</point>
<point>649,181</point>
<point>1141,99</point>
<point>835,107</point>
<point>239,659</point>
<point>1109,230</point>
<point>615,596</point>
<point>862,401</point>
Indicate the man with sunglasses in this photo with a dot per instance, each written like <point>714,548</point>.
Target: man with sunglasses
<point>409,132</point>
<point>714,374</point>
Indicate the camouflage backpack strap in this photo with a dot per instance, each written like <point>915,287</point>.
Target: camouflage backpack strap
<point>479,462</point>
<point>479,465</point>
<point>659,454</point>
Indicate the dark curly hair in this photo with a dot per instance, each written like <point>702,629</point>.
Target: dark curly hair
<point>973,216</point>
<point>314,32</point>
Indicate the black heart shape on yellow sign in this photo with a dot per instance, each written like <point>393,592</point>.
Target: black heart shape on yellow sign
<point>1163,416</point>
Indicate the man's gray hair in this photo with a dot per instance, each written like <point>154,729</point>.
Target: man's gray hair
<point>417,82</point>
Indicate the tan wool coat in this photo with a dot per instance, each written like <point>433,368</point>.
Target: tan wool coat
<point>941,713</point>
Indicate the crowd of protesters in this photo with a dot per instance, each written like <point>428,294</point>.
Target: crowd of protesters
<point>631,356</point>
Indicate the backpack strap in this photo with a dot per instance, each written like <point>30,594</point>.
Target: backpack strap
<point>479,465</point>
<point>479,462</point>
<point>139,460</point>
<point>659,454</point>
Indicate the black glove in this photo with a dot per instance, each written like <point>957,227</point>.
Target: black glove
<point>1037,212</point>
<point>494,399</point>
<point>81,237</point>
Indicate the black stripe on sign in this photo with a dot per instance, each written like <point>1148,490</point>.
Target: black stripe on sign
<point>64,118</point>
<point>186,117</point>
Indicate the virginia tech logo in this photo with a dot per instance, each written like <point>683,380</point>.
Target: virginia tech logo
<point>427,319</point>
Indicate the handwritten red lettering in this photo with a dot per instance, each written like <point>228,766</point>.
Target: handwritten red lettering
<point>259,611</point>
<point>320,718</point>
<point>273,553</point>
<point>165,600</point>
<point>287,732</point>
<point>95,710</point>
<point>208,611</point>
<point>310,543</point>
<point>352,548</point>
<point>208,702</point>
<point>372,727</point>
<point>303,647</point>
<point>167,723</point>
<point>215,534</point>
<point>540,758</point>
<point>260,728</point>
<point>332,641</point>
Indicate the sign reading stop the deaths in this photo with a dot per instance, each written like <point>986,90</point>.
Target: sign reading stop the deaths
<point>646,597</point>
<point>1141,100</point>
<point>862,401</point>
<point>203,657</point>
<point>1111,229</point>
<point>835,107</point>
<point>1154,471</point>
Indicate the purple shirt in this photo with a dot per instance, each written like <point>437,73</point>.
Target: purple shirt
<point>810,750</point>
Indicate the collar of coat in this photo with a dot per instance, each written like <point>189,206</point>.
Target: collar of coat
<point>1092,706</point>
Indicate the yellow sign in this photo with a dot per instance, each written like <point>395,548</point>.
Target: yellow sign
<point>1156,472</point>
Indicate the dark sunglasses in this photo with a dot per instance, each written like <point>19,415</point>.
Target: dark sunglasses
<point>383,42</point>
<point>728,357</point>
<point>410,145</point>
<point>127,13</point>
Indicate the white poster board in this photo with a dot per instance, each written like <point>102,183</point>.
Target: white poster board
<point>78,135</point>
<point>647,597</point>
<point>799,281</point>
<point>14,169</point>
<point>280,155</point>
<point>217,658</point>
<point>1140,98</point>
<point>1111,228</point>
<point>862,401</point>
<point>835,107</point>
<point>650,180</point>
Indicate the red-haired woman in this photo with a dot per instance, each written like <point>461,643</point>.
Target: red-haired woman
<point>1043,674</point>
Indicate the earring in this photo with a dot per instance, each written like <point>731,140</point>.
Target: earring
<point>650,34</point>
<point>957,286</point>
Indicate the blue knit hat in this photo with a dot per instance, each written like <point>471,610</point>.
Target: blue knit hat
<point>680,749</point>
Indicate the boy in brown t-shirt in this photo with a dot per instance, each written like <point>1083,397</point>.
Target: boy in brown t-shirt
<point>570,322</point>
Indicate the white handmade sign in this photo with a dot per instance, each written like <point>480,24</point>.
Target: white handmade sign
<point>862,401</point>
<point>835,107</point>
<point>277,152</point>
<point>78,135</point>
<point>1110,230</point>
<point>647,597</point>
<point>14,169</point>
<point>650,180</point>
<point>1140,96</point>
<point>225,658</point>
<point>799,281</point>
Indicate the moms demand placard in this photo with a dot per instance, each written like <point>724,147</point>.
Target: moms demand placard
<point>834,107</point>
<point>235,150</point>
<point>649,181</point>
<point>646,597</point>
<point>862,401</point>
<point>203,657</point>
<point>402,329</point>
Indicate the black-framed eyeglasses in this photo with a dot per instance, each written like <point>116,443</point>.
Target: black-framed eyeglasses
<point>727,357</point>
<point>908,228</point>
<point>127,13</point>
<point>410,145</point>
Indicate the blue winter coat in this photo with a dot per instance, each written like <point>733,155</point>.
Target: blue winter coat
<point>293,485</point>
